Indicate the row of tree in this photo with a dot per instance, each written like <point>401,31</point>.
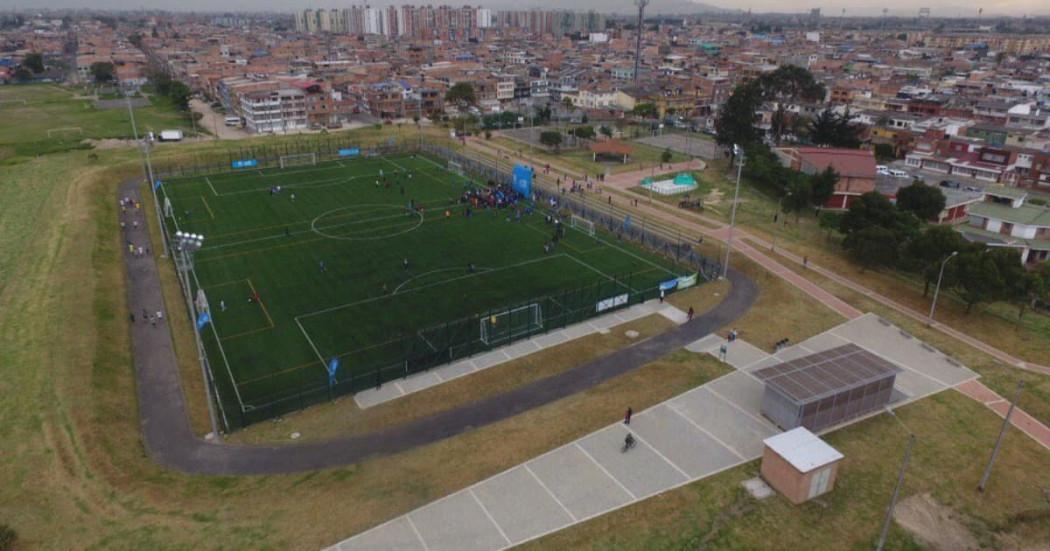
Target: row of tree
<point>32,65</point>
<point>175,90</point>
<point>881,234</point>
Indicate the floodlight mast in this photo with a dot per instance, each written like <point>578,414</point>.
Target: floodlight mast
<point>638,45</point>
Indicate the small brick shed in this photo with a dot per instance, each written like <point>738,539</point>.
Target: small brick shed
<point>799,465</point>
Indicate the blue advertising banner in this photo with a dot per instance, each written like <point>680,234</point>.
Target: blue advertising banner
<point>245,163</point>
<point>350,152</point>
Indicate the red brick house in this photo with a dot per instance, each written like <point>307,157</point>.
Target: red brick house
<point>855,167</point>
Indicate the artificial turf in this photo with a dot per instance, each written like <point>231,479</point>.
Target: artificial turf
<point>326,257</point>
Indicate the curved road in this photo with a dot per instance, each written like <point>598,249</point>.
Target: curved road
<point>170,440</point>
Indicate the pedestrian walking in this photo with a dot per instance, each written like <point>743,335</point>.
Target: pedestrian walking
<point>689,314</point>
<point>805,262</point>
<point>627,416</point>
<point>723,351</point>
<point>160,315</point>
<point>152,321</point>
<point>661,296</point>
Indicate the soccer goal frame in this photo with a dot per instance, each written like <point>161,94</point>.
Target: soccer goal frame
<point>298,159</point>
<point>64,130</point>
<point>508,325</point>
<point>456,167</point>
<point>582,224</point>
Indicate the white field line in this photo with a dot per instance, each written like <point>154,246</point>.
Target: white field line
<point>489,515</point>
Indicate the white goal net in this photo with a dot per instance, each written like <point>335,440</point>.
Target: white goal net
<point>298,159</point>
<point>455,168</point>
<point>506,326</point>
<point>582,224</point>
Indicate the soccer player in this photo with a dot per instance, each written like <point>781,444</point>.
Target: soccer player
<point>404,263</point>
<point>322,266</point>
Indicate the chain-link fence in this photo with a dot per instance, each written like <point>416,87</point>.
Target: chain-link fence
<point>437,345</point>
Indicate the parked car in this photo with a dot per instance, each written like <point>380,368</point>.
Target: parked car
<point>897,173</point>
<point>882,170</point>
<point>950,184</point>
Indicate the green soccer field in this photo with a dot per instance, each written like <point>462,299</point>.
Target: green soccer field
<point>326,257</point>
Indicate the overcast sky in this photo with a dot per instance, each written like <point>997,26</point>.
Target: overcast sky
<point>830,7</point>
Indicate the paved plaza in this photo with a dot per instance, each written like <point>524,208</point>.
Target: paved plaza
<point>694,435</point>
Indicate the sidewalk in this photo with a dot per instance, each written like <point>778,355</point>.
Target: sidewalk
<point>697,434</point>
<point>436,376</point>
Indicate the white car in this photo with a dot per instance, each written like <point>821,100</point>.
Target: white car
<point>882,170</point>
<point>898,173</point>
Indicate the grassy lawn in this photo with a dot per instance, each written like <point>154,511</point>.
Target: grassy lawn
<point>579,161</point>
<point>78,477</point>
<point>998,376</point>
<point>75,474</point>
<point>50,107</point>
<point>954,435</point>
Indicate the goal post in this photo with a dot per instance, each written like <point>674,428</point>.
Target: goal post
<point>456,167</point>
<point>508,325</point>
<point>582,224</point>
<point>299,159</point>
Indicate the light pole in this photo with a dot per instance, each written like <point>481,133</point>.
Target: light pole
<point>738,152</point>
<point>186,244</point>
<point>937,290</point>
<point>144,144</point>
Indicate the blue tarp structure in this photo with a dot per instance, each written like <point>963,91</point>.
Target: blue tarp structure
<point>522,182</point>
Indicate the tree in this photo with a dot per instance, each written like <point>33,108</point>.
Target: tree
<point>666,156</point>
<point>926,252</point>
<point>873,246</point>
<point>461,93</point>
<point>34,62</point>
<point>644,110</point>
<point>22,74</point>
<point>585,132</point>
<point>735,123</point>
<point>103,71</point>
<point>830,221</point>
<point>874,209</point>
<point>180,95</point>
<point>605,131</point>
<point>834,130</point>
<point>798,198</point>
<point>925,202</point>
<point>978,278</point>
<point>551,138</point>
<point>822,185</point>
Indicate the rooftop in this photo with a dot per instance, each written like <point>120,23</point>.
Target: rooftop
<point>803,449</point>
<point>817,376</point>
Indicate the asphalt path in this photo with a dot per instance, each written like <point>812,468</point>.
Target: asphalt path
<point>171,442</point>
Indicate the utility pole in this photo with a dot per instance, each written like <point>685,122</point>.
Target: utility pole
<point>738,152</point>
<point>638,45</point>
<point>145,145</point>
<point>937,290</point>
<point>999,440</point>
<point>896,493</point>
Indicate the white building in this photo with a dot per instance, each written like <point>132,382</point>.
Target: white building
<point>278,112</point>
<point>484,18</point>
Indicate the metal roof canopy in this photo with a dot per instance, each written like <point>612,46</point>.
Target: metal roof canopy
<point>828,373</point>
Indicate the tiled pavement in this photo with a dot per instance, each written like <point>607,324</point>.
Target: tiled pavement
<point>692,436</point>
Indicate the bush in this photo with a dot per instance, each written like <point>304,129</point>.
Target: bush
<point>8,537</point>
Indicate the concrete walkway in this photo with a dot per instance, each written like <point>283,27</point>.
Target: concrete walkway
<point>1024,422</point>
<point>439,375</point>
<point>694,435</point>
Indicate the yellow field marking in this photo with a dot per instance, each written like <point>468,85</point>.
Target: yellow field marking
<point>261,304</point>
<point>207,206</point>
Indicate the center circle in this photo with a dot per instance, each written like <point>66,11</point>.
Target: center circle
<point>366,222</point>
